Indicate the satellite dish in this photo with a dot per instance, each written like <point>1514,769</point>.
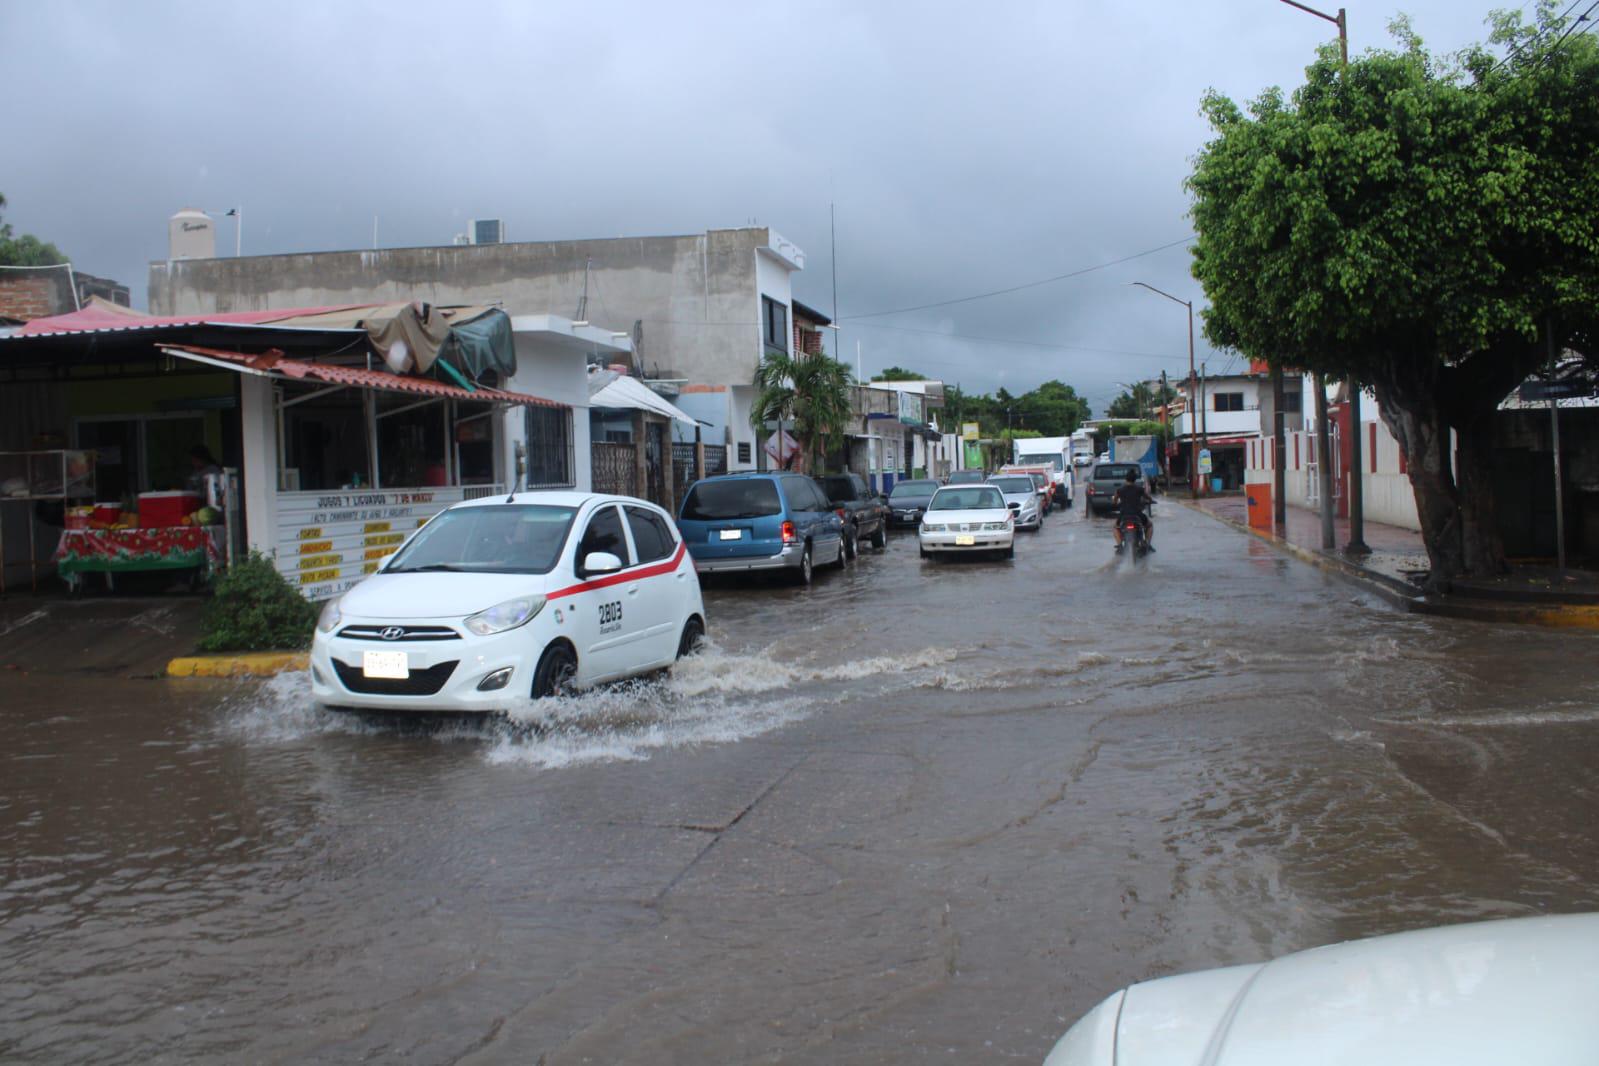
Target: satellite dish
<point>398,357</point>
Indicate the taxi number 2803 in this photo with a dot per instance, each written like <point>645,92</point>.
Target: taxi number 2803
<point>610,617</point>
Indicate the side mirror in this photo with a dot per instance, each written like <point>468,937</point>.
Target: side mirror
<point>601,563</point>
<point>1014,506</point>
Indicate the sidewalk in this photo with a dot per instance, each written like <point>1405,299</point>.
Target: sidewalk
<point>1397,565</point>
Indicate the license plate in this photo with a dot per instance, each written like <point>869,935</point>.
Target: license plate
<point>965,541</point>
<point>390,664</point>
<point>731,534</point>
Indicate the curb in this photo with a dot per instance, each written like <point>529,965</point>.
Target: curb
<point>1556,615</point>
<point>1381,586</point>
<point>247,664</point>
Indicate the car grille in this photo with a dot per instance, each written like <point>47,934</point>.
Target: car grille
<point>406,633</point>
<point>420,683</point>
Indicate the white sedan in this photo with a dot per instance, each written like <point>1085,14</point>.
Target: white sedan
<point>1521,990</point>
<point>497,600</point>
<point>961,519</point>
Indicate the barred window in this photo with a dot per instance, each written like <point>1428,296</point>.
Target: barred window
<point>549,448</point>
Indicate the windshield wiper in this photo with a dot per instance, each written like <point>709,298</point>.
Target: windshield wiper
<point>450,568</point>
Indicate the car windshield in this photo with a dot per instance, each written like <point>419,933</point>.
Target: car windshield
<point>976,498</point>
<point>1114,471</point>
<point>913,488</point>
<point>1012,484</point>
<point>961,477</point>
<point>501,539</point>
<point>712,501</point>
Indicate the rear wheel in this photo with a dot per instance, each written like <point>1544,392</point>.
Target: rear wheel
<point>851,542</point>
<point>802,575</point>
<point>880,536</point>
<point>693,637</point>
<point>556,670</point>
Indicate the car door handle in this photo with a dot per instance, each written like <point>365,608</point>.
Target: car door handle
<point>632,590</point>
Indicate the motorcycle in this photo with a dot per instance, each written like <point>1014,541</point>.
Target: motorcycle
<point>1132,530</point>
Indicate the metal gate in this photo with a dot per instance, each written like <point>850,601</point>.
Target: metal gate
<point>615,468</point>
<point>683,474</point>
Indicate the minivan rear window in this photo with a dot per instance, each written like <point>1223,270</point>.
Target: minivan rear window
<point>712,501</point>
<point>1115,471</point>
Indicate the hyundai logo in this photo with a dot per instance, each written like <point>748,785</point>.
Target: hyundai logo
<point>392,632</point>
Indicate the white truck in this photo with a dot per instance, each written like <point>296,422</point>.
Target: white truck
<point>1054,453</point>
<point>1081,447</point>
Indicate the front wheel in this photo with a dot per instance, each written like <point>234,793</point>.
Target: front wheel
<point>1010,552</point>
<point>556,670</point>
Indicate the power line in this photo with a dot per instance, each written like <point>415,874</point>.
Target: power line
<point>1021,341</point>
<point>1537,38</point>
<point>1570,28</point>
<point>1024,285</point>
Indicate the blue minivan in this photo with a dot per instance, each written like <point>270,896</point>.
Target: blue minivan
<point>760,522</point>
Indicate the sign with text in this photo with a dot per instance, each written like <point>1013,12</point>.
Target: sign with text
<point>327,541</point>
<point>971,431</point>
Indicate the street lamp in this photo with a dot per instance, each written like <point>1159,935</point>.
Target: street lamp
<point>1193,392</point>
<point>1357,496</point>
<point>237,214</point>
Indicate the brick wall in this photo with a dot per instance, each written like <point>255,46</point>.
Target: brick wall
<point>29,293</point>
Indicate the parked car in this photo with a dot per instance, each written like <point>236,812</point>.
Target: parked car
<point>1482,994</point>
<point>963,519</point>
<point>495,600</point>
<point>908,500</point>
<point>1108,477</point>
<point>864,512</point>
<point>748,522</point>
<point>966,477</point>
<point>1046,490</point>
<point>1021,496</point>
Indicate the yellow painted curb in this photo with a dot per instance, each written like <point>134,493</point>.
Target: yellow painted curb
<point>1570,616</point>
<point>252,664</point>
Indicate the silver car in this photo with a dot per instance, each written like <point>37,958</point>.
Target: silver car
<point>1021,496</point>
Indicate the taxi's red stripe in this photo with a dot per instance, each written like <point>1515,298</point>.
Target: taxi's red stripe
<point>654,570</point>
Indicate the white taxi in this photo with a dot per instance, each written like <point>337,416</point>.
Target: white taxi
<point>962,519</point>
<point>497,600</point>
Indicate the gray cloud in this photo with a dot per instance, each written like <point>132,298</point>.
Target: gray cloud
<point>967,147</point>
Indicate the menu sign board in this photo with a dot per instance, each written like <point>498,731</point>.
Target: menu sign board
<point>327,541</point>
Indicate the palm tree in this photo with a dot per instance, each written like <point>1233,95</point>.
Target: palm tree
<point>811,392</point>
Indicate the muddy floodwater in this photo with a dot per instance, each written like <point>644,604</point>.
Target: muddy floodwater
<point>920,812</point>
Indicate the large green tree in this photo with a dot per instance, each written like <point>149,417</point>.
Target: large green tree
<point>808,394</point>
<point>26,249</point>
<point>1420,225</point>
<point>898,373</point>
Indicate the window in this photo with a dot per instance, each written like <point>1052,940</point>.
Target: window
<point>549,448</point>
<point>743,451</point>
<point>1293,402</point>
<point>502,539</point>
<point>774,323</point>
<point>713,501</point>
<point>803,495</point>
<point>604,534</point>
<point>1228,401</point>
<point>651,535</point>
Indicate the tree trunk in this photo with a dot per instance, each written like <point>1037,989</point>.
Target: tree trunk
<point>1416,422</point>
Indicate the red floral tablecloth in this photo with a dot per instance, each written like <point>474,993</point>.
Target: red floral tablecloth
<point>127,550</point>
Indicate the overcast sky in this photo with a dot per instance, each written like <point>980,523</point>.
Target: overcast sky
<point>968,147</point>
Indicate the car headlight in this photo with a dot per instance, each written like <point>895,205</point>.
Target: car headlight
<point>504,616</point>
<point>929,527</point>
<point>995,525</point>
<point>330,617</point>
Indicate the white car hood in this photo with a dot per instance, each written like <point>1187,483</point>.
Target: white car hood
<point>436,595</point>
<point>987,514</point>
<point>1469,995</point>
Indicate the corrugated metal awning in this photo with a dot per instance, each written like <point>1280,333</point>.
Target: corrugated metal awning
<point>274,364</point>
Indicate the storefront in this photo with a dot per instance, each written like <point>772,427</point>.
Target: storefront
<point>338,444</point>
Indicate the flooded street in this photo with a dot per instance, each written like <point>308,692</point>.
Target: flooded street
<point>917,812</point>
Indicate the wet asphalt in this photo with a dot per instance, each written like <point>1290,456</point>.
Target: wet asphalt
<point>917,812</point>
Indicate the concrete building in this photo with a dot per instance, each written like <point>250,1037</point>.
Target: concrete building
<point>700,309</point>
<point>29,292</point>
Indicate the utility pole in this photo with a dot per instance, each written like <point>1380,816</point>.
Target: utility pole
<point>1329,539</point>
<point>1554,430</point>
<point>1357,494</point>
<point>1279,454</point>
<point>1193,440</point>
<point>1204,429</point>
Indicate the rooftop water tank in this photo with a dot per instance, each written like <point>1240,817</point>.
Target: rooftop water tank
<point>191,235</point>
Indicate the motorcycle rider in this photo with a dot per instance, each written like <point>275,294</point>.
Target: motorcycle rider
<point>1132,500</point>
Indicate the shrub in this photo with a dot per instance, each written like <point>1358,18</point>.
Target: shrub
<point>254,609</point>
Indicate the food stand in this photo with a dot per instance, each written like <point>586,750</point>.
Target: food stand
<point>55,477</point>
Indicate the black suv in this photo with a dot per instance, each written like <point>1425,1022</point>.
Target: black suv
<point>1108,477</point>
<point>864,513</point>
